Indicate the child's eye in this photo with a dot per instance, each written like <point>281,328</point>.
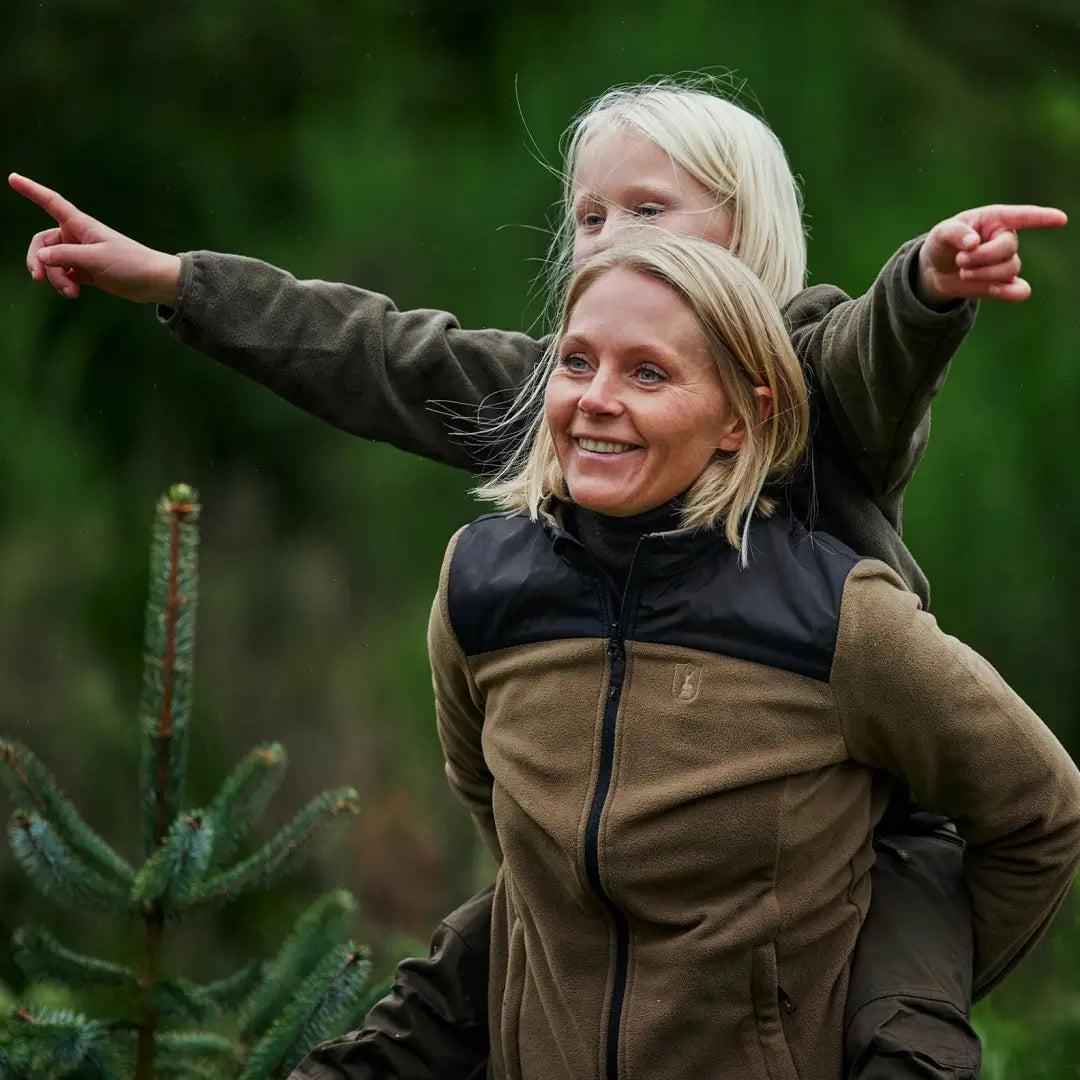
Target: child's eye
<point>650,376</point>
<point>649,211</point>
<point>592,221</point>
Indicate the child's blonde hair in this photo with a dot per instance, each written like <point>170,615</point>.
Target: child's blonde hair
<point>725,148</point>
<point>746,337</point>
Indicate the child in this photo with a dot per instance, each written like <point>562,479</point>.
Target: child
<point>693,163</point>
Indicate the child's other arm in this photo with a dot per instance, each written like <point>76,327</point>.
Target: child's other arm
<point>346,355</point>
<point>878,360</point>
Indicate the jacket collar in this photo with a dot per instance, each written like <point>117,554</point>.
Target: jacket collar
<point>658,554</point>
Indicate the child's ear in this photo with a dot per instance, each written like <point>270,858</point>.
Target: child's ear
<point>736,435</point>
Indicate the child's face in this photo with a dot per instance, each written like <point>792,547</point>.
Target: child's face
<point>635,406</point>
<point>625,182</point>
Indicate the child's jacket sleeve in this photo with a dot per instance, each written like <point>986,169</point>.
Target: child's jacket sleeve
<point>919,704</point>
<point>348,356</point>
<point>877,361</point>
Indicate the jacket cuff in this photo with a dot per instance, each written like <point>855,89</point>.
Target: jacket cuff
<point>170,316</point>
<point>916,311</point>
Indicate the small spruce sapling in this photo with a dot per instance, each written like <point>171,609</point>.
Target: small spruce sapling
<point>253,1024</point>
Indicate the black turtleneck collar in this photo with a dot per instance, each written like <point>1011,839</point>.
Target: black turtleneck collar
<point>612,541</point>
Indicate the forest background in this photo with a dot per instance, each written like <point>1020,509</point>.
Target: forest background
<point>397,148</point>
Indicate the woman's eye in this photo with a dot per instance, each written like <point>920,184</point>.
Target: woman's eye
<point>650,375</point>
<point>649,211</point>
<point>575,362</point>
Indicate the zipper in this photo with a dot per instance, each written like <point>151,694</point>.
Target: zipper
<point>617,653</point>
<point>785,1002</point>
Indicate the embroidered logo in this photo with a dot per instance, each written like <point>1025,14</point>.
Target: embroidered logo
<point>687,681</point>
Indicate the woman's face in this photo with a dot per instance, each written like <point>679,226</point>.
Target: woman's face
<point>634,405</point>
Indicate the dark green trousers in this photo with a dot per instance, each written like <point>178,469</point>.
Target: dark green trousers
<point>908,1001</point>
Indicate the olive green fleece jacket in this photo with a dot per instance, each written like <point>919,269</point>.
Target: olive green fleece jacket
<point>682,799</point>
<point>349,357</point>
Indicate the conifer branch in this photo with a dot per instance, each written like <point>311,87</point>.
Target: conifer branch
<point>63,1043</point>
<point>176,869</point>
<point>317,930</point>
<point>271,858</point>
<point>178,1052</point>
<point>56,870</point>
<point>11,1067</point>
<point>243,797</point>
<point>311,1016</point>
<point>182,1001</point>
<point>32,787</point>
<point>229,992</point>
<point>41,956</point>
<point>168,652</point>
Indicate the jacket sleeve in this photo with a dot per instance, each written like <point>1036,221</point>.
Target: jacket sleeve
<point>919,704</point>
<point>876,363</point>
<point>459,712</point>
<point>432,1025</point>
<point>348,356</point>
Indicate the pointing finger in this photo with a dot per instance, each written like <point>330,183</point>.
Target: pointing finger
<point>54,204</point>
<point>988,219</point>
<point>1031,217</point>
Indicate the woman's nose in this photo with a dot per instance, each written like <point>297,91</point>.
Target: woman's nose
<point>601,396</point>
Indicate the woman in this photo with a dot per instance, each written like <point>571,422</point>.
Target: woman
<point>672,711</point>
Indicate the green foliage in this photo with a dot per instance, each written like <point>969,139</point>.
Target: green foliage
<point>54,868</point>
<point>166,1024</point>
<point>273,857</point>
<point>165,706</point>
<point>60,1045</point>
<point>174,872</point>
<point>319,1004</point>
<point>32,787</point>
<point>243,797</point>
<point>316,932</point>
<point>42,957</point>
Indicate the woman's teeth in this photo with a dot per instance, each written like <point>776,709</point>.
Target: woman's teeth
<point>599,446</point>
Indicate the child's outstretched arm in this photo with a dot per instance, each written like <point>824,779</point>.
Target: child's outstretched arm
<point>344,354</point>
<point>878,360</point>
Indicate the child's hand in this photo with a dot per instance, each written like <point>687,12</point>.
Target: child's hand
<point>82,251</point>
<point>974,254</point>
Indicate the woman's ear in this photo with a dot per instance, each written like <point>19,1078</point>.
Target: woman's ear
<point>736,435</point>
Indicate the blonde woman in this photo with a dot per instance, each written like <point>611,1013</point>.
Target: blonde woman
<point>673,712</point>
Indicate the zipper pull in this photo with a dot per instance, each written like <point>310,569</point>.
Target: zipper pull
<point>614,647</point>
<point>785,1002</point>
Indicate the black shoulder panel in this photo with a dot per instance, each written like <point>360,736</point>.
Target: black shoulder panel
<point>783,610</point>
<point>507,586</point>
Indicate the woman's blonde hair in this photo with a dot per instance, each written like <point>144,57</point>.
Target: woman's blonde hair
<point>725,148</point>
<point>746,336</point>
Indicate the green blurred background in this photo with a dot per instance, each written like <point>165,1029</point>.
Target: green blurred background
<point>397,147</point>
